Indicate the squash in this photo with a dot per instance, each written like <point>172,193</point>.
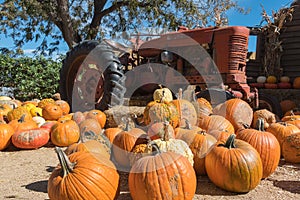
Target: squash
<point>83,176</point>
<point>166,143</point>
<point>166,175</point>
<point>162,94</point>
<point>234,165</point>
<point>157,111</point>
<point>30,139</point>
<point>284,79</point>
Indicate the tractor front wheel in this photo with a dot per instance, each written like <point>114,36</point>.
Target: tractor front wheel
<point>92,77</point>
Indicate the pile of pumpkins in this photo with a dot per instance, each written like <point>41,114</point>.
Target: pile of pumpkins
<point>272,82</point>
<point>180,139</point>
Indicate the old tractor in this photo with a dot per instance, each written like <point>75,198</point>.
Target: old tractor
<point>212,60</point>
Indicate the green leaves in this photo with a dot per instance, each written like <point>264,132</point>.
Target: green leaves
<point>31,78</point>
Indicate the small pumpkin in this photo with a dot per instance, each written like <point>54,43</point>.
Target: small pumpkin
<point>215,122</point>
<point>271,79</point>
<point>23,123</point>
<point>162,94</point>
<point>261,79</point>
<point>200,143</point>
<point>4,109</point>
<point>98,115</point>
<point>43,102</point>
<point>65,133</point>
<point>167,175</point>
<point>64,105</point>
<point>82,175</point>
<point>111,133</point>
<point>234,165</point>
<point>52,112</point>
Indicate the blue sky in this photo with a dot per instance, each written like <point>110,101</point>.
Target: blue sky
<point>252,19</point>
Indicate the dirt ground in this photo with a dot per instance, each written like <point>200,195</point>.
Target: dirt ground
<point>24,175</point>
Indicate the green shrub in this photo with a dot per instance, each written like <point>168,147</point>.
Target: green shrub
<point>30,77</point>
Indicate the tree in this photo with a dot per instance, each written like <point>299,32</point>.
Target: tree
<point>76,20</point>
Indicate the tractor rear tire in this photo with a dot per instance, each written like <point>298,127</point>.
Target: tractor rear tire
<point>92,77</point>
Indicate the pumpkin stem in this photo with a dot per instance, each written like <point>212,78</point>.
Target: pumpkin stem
<point>155,148</point>
<point>187,124</point>
<point>179,95</point>
<point>64,161</point>
<point>260,124</point>
<point>230,142</point>
<point>22,118</point>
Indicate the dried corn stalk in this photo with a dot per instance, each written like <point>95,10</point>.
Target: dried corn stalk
<point>271,32</point>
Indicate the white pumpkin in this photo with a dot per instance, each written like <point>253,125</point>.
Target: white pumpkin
<point>261,79</point>
<point>162,95</point>
<point>39,120</point>
<point>177,146</point>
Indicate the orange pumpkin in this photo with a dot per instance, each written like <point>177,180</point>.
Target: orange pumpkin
<point>266,145</point>
<point>6,131</point>
<point>64,105</point>
<point>52,112</point>
<point>281,130</point>
<point>296,83</point>
<point>65,133</point>
<point>98,115</point>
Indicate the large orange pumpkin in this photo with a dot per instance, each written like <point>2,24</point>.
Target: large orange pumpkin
<point>266,145</point>
<point>165,175</point>
<point>83,176</point>
<point>234,165</point>
<point>237,111</point>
